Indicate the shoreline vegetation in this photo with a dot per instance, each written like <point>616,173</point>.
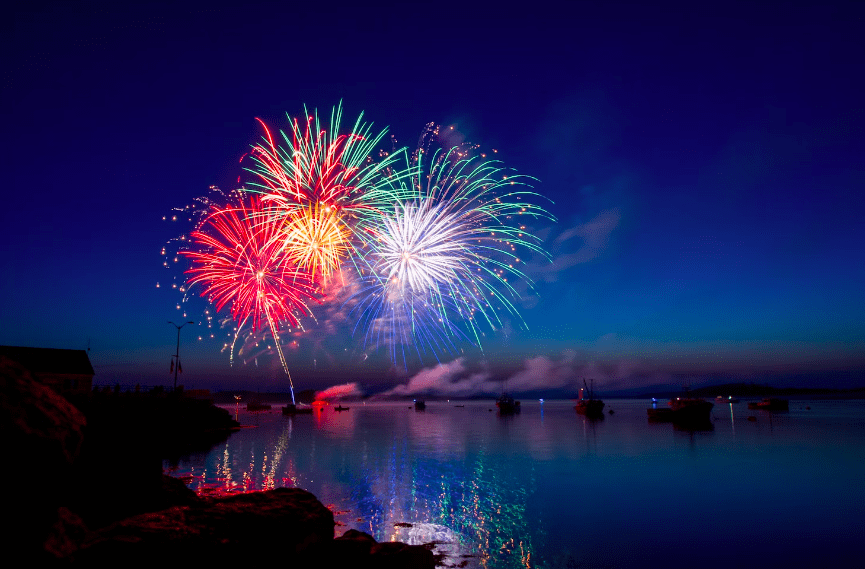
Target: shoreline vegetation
<point>88,487</point>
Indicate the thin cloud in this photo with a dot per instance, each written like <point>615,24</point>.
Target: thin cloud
<point>564,372</point>
<point>450,379</point>
<point>344,390</point>
<point>595,236</point>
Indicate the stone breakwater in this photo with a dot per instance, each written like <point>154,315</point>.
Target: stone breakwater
<point>85,485</point>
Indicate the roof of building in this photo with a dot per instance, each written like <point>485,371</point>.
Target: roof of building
<point>50,360</point>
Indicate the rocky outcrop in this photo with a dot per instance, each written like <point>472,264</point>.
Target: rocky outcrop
<point>39,418</point>
<point>286,525</point>
<point>358,549</point>
<point>42,435</point>
<point>398,555</point>
<point>285,522</point>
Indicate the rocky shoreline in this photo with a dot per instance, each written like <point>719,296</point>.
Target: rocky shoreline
<point>87,488</point>
<point>288,525</point>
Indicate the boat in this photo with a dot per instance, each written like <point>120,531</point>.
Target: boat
<point>590,407</point>
<point>770,404</point>
<point>683,410</point>
<point>341,408</point>
<point>727,399</point>
<point>292,409</point>
<point>257,405</point>
<point>507,405</point>
<point>419,405</point>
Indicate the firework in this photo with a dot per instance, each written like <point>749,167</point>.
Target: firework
<point>237,260</point>
<point>425,246</point>
<point>315,239</point>
<point>320,183</point>
<point>444,260</point>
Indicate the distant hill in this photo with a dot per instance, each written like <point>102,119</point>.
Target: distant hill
<point>758,390</point>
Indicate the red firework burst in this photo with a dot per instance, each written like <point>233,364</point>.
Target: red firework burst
<point>237,259</point>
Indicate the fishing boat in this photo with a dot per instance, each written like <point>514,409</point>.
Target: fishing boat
<point>507,405</point>
<point>341,408</point>
<point>419,405</point>
<point>683,410</point>
<point>589,406</point>
<point>770,404</point>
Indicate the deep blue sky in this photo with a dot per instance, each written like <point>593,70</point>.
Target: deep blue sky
<point>705,164</point>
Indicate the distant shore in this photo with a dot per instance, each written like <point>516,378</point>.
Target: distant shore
<point>743,390</point>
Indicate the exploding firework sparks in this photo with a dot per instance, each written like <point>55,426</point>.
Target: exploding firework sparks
<point>236,257</point>
<point>321,165</point>
<point>321,183</point>
<point>315,239</point>
<point>427,252</point>
<point>445,259</point>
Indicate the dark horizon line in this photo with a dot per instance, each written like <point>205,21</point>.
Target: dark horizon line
<point>740,389</point>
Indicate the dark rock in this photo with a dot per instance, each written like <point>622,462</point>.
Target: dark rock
<point>352,547</point>
<point>38,416</point>
<point>398,555</point>
<point>359,550</point>
<point>173,492</point>
<point>284,523</point>
<point>292,517</point>
<point>66,535</point>
<point>42,435</point>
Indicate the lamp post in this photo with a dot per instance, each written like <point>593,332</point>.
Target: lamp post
<point>177,354</point>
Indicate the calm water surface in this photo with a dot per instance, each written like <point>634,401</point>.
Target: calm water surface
<point>548,488</point>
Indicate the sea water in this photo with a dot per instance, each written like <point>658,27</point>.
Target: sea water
<point>550,488</point>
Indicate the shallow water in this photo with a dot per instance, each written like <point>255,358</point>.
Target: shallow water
<point>548,488</point>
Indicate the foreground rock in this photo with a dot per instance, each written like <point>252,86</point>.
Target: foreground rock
<point>359,549</point>
<point>42,435</point>
<point>287,525</point>
<point>285,522</point>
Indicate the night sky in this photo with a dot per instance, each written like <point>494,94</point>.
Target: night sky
<point>704,162</point>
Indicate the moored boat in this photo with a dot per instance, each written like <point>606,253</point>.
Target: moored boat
<point>589,406</point>
<point>690,410</point>
<point>507,405</point>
